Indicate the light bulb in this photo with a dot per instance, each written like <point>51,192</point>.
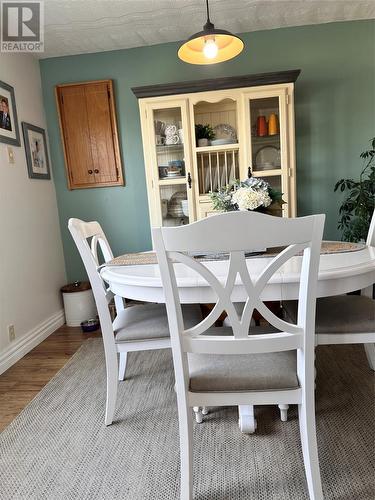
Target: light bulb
<point>210,48</point>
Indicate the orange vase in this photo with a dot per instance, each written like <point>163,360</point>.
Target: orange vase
<point>273,125</point>
<point>262,129</point>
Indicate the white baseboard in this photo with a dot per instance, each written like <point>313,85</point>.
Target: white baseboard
<point>17,350</point>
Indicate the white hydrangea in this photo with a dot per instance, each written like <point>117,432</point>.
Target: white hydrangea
<point>249,199</point>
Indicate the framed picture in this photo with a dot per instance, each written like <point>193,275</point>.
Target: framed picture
<point>36,151</point>
<point>9,132</point>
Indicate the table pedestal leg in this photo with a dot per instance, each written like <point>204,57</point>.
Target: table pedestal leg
<point>246,420</point>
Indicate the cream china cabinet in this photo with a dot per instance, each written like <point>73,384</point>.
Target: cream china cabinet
<point>253,121</point>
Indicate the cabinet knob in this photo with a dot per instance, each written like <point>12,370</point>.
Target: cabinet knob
<point>96,171</point>
<point>189,180</point>
<point>89,171</point>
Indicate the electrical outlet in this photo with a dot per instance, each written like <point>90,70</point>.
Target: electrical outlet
<point>11,333</point>
<point>11,159</point>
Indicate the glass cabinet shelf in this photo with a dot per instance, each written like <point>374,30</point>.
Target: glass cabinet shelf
<point>173,180</point>
<point>265,139</point>
<point>267,173</point>
<point>167,148</point>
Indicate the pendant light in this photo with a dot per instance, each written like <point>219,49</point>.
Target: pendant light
<point>211,45</point>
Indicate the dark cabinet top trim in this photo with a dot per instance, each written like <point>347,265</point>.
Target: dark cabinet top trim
<point>230,82</point>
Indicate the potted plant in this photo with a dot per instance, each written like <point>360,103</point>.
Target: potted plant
<point>357,208</point>
<point>204,134</point>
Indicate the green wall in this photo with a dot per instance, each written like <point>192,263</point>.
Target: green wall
<point>335,105</point>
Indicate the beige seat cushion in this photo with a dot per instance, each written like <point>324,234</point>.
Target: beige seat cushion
<point>253,372</point>
<point>245,372</point>
<point>149,321</point>
<point>340,314</point>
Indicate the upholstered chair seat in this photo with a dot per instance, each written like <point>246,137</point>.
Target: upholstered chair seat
<point>340,314</point>
<point>255,372</point>
<point>141,322</point>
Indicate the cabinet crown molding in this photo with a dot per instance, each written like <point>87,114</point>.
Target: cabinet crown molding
<point>230,82</point>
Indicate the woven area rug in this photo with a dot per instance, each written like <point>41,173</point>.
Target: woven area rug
<point>58,447</point>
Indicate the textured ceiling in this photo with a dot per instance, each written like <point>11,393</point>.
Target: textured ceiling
<point>82,26</point>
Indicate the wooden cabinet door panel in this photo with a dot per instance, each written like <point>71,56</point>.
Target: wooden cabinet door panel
<point>89,134</point>
<point>101,133</point>
<point>76,135</point>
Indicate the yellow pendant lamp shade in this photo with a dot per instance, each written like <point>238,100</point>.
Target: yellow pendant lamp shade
<point>210,46</point>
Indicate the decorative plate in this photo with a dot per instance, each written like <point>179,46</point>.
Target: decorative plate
<point>174,205</point>
<point>220,142</point>
<point>268,158</point>
<point>225,131</point>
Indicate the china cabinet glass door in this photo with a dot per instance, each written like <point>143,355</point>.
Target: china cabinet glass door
<point>169,162</point>
<point>267,134</point>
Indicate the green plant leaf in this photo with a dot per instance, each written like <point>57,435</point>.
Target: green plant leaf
<point>356,209</point>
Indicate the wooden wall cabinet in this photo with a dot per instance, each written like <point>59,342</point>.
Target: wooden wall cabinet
<point>177,168</point>
<point>89,134</point>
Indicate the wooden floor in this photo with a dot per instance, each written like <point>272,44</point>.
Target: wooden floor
<point>22,382</point>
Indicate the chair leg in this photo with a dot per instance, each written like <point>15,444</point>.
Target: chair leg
<point>112,375</point>
<point>198,414</point>
<point>122,366</point>
<point>186,451</point>
<point>310,450</point>
<point>370,354</point>
<point>284,412</point>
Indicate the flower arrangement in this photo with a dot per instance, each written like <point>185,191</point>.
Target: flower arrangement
<point>252,194</point>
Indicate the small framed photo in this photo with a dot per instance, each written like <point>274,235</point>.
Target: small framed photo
<point>36,151</point>
<point>9,132</point>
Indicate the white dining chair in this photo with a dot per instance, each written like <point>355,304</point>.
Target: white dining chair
<point>136,328</point>
<point>345,319</point>
<point>227,366</point>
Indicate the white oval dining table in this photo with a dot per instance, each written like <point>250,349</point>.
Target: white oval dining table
<point>339,273</point>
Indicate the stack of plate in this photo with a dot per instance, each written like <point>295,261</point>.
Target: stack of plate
<point>221,142</point>
<point>175,205</point>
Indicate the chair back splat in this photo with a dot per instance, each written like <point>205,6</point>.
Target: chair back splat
<point>235,233</point>
<point>88,236</point>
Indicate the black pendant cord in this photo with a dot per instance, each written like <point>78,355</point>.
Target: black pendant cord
<point>208,12</point>
<point>208,26</point>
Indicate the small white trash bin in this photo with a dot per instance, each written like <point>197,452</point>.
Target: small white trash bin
<point>79,303</point>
